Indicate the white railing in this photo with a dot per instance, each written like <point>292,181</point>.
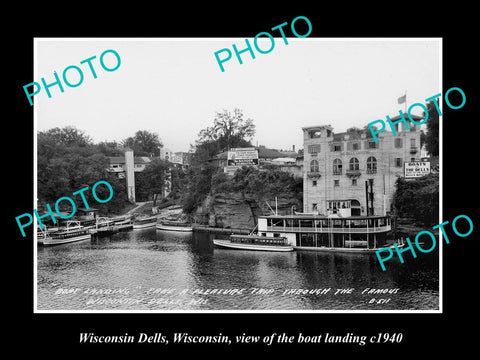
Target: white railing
<point>325,230</point>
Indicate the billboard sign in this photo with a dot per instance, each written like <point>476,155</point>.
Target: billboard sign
<point>242,157</point>
<point>238,157</point>
<point>177,159</point>
<point>416,169</point>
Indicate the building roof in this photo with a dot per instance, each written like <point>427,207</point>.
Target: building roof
<point>355,134</point>
<point>284,159</point>
<point>318,127</point>
<point>289,153</point>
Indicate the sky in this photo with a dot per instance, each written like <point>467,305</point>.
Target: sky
<point>174,86</point>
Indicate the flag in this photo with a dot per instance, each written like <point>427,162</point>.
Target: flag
<point>402,99</point>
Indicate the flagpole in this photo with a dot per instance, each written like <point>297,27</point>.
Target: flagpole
<point>405,101</point>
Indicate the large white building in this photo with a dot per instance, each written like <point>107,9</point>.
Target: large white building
<point>336,167</point>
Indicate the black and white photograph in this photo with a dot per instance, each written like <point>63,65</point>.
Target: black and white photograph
<point>198,175</point>
<point>216,181</point>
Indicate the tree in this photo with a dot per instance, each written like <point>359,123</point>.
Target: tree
<point>67,136</point>
<point>110,148</point>
<point>433,132</point>
<point>425,191</point>
<point>367,128</point>
<point>152,180</point>
<point>144,143</point>
<point>229,130</point>
<point>68,161</point>
<point>198,186</point>
<point>355,129</point>
<point>422,138</point>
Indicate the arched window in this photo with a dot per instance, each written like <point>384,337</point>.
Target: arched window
<point>337,167</point>
<point>371,165</point>
<point>356,208</point>
<point>314,166</point>
<point>354,164</point>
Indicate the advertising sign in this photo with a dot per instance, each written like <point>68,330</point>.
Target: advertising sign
<point>238,157</point>
<point>177,159</point>
<point>416,169</point>
<point>242,157</point>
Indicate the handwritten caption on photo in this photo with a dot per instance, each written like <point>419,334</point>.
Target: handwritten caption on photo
<point>180,297</point>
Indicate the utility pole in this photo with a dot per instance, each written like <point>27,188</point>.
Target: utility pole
<point>366,196</point>
<point>371,197</point>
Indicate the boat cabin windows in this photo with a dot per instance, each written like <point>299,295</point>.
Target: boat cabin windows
<point>358,223</point>
<point>337,223</point>
<point>325,223</point>
<point>337,232</point>
<point>291,223</point>
<point>275,222</point>
<point>306,223</point>
<point>259,240</point>
<point>321,223</point>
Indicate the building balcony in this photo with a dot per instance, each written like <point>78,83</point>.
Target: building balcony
<point>371,171</point>
<point>313,174</point>
<point>337,171</point>
<point>353,173</point>
<point>413,150</point>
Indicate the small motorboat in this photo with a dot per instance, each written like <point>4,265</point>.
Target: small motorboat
<point>255,242</point>
<point>174,225</point>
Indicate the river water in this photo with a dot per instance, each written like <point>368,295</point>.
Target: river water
<point>157,271</point>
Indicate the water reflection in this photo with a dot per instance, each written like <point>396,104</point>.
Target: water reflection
<point>145,260</point>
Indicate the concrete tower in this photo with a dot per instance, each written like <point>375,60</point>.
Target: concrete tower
<point>130,175</point>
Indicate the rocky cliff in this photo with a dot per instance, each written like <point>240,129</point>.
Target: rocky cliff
<point>239,210</point>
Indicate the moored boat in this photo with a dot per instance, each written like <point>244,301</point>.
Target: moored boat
<point>174,225</point>
<point>122,220</point>
<point>144,222</point>
<point>41,234</point>
<point>73,232</point>
<point>254,242</point>
<point>353,234</point>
